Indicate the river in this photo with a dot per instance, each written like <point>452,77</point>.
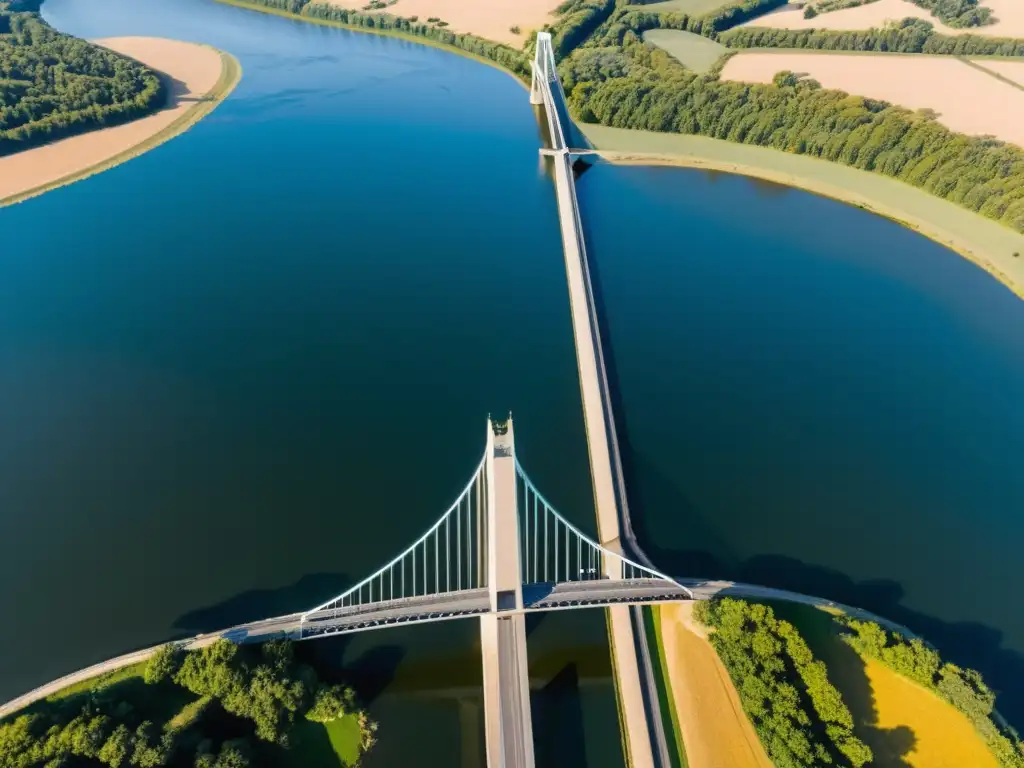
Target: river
<point>246,368</point>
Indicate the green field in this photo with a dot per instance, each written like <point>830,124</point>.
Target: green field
<point>989,244</point>
<point>692,7</point>
<point>318,745</point>
<point>693,51</point>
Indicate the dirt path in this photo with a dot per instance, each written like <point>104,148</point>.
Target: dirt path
<point>716,731</point>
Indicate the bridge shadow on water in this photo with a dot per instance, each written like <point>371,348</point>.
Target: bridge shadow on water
<point>557,717</point>
<point>967,644</point>
<point>256,604</point>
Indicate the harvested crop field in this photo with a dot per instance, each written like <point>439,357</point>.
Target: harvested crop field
<point>716,731</point>
<point>693,51</point>
<point>1011,70</point>
<point>940,736</point>
<point>1009,16</point>
<point>966,99</point>
<point>490,19</point>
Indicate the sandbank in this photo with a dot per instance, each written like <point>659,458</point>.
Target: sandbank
<point>987,243</point>
<point>966,99</point>
<point>200,77</point>
<point>716,730</point>
<point>1009,16</point>
<point>490,19</point>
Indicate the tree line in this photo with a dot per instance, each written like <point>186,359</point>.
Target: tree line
<point>906,36</point>
<point>120,725</point>
<point>516,61</point>
<point>957,13</point>
<point>616,79</point>
<point>53,85</point>
<point>798,714</point>
<point>963,688</point>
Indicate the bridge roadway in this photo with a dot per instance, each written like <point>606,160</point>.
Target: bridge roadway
<point>637,693</point>
<point>288,625</point>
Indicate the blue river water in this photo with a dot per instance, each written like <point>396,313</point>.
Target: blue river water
<point>247,367</point>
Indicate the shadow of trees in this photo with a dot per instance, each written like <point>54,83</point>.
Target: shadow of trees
<point>847,670</point>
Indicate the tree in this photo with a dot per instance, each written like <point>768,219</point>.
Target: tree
<point>329,703</point>
<point>163,664</point>
<point>114,751</point>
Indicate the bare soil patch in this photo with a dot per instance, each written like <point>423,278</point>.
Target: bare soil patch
<point>490,19</point>
<point>716,730</point>
<point>966,99</point>
<point>1009,18</point>
<point>193,71</point>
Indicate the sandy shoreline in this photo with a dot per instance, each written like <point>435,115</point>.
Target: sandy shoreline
<point>200,78</point>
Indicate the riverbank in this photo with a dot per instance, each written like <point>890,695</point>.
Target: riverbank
<point>198,77</point>
<point>412,38</point>
<point>986,243</point>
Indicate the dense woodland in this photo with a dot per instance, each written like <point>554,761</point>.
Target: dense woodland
<point>798,714</point>
<point>907,36</point>
<point>224,706</point>
<point>963,688</point>
<point>957,13</point>
<point>53,85</point>
<point>618,80</point>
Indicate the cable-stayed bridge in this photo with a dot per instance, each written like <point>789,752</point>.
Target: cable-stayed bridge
<point>500,547</point>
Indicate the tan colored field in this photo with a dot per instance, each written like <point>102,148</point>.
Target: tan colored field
<point>716,731</point>
<point>1009,18</point>
<point>195,70</point>
<point>1011,70</point>
<point>491,19</point>
<point>943,738</point>
<point>966,99</point>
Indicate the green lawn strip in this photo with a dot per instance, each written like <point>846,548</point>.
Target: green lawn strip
<point>669,715</point>
<point>373,31</point>
<point>693,51</point>
<point>983,241</point>
<point>323,745</point>
<point>231,74</point>
<point>104,680</point>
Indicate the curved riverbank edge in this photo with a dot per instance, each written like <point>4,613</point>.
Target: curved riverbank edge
<point>230,76</point>
<point>986,243</point>
<point>380,32</point>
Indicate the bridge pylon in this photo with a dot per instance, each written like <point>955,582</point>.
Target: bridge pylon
<point>508,720</point>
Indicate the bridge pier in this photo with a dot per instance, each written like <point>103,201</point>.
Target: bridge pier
<point>508,725</point>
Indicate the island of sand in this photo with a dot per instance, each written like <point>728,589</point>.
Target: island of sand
<point>199,78</point>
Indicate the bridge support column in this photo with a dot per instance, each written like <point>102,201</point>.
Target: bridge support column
<point>536,97</point>
<point>508,724</point>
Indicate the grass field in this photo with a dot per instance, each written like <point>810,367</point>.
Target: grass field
<point>905,725</point>
<point>692,7</point>
<point>988,244</point>
<point>693,51</point>
<point>101,681</point>
<point>652,621</point>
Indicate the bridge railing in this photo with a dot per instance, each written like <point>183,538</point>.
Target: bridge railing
<point>554,550</point>
<point>446,558</point>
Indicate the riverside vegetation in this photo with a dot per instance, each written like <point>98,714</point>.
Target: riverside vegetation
<point>221,706</point>
<point>801,716</point>
<point>53,85</point>
<point>612,77</point>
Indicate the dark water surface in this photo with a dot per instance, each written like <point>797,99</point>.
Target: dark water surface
<point>816,398</point>
<point>246,368</point>
<point>250,366</point>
